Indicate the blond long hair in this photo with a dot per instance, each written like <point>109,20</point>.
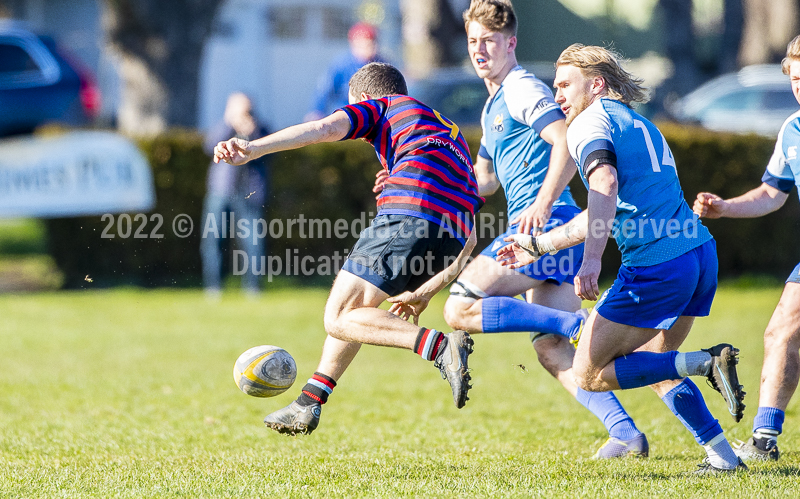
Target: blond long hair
<point>792,54</point>
<point>596,61</point>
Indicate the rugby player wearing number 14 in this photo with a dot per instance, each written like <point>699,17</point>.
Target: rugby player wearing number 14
<point>669,261</point>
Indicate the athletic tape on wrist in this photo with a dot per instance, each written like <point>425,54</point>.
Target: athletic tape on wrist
<point>544,244</point>
<point>527,243</point>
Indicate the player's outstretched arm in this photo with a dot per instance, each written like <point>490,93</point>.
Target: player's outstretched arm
<point>329,129</point>
<point>524,249</point>
<point>411,304</point>
<point>560,171</point>
<point>758,202</point>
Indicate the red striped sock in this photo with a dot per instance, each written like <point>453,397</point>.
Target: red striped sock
<point>428,343</point>
<point>317,389</point>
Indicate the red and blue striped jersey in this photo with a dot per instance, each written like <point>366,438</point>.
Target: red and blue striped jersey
<point>428,160</point>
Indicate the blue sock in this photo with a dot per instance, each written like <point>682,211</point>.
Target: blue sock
<point>639,369</point>
<point>686,402</point>
<point>502,314</point>
<point>607,408</point>
<point>769,418</point>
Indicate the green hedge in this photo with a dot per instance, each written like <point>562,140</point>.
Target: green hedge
<point>179,166</point>
<point>333,181</point>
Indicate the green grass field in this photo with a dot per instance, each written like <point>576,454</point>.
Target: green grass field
<point>129,393</point>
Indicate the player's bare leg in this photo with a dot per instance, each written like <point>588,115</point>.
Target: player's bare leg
<point>352,315</point>
<point>336,357</point>
<point>779,376</point>
<point>781,371</point>
<point>555,353</point>
<point>601,342</point>
<point>492,279</point>
<point>351,319</point>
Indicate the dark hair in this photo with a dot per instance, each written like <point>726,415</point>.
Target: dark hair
<point>494,15</point>
<point>378,79</point>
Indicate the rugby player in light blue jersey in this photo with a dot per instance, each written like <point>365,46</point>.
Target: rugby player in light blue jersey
<point>781,371</point>
<point>524,149</point>
<point>669,262</point>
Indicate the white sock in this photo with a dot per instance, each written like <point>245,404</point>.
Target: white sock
<point>693,364</point>
<point>720,454</point>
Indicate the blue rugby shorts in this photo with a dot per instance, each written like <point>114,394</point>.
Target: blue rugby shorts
<point>657,295</point>
<point>795,275</point>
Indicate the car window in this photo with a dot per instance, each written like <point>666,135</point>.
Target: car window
<point>26,62</point>
<point>14,59</point>
<point>460,101</point>
<point>468,98</point>
<point>774,100</point>
<point>740,100</point>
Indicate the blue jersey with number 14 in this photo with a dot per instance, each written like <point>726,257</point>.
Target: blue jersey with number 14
<point>653,223</point>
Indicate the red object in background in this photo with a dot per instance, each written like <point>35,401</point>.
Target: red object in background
<point>39,84</point>
<point>362,30</point>
<point>90,95</point>
<point>89,92</point>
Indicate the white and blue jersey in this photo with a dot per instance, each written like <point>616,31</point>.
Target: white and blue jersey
<point>653,223</point>
<point>512,120</point>
<point>783,169</point>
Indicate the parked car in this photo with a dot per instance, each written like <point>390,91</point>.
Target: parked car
<point>40,84</point>
<point>754,99</point>
<point>460,95</point>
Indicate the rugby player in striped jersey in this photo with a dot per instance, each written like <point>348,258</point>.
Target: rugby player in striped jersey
<point>419,241</point>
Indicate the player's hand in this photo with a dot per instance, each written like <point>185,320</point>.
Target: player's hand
<point>233,151</point>
<point>380,180</point>
<point>709,205</point>
<point>586,286</point>
<point>533,219</point>
<point>519,253</point>
<point>409,305</point>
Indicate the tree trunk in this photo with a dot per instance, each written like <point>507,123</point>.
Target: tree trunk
<point>768,27</point>
<point>433,36</point>
<point>679,45</point>
<point>733,20</point>
<point>159,48</point>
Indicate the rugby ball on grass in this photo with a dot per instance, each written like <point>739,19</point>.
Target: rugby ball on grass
<point>264,371</point>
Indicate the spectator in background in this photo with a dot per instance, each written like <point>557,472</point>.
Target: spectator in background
<point>237,192</point>
<point>333,87</point>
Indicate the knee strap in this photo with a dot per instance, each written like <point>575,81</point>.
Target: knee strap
<point>467,290</point>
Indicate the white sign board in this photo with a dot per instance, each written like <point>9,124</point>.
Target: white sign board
<point>78,173</point>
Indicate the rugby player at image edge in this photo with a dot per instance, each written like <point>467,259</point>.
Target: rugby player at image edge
<point>781,370</point>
